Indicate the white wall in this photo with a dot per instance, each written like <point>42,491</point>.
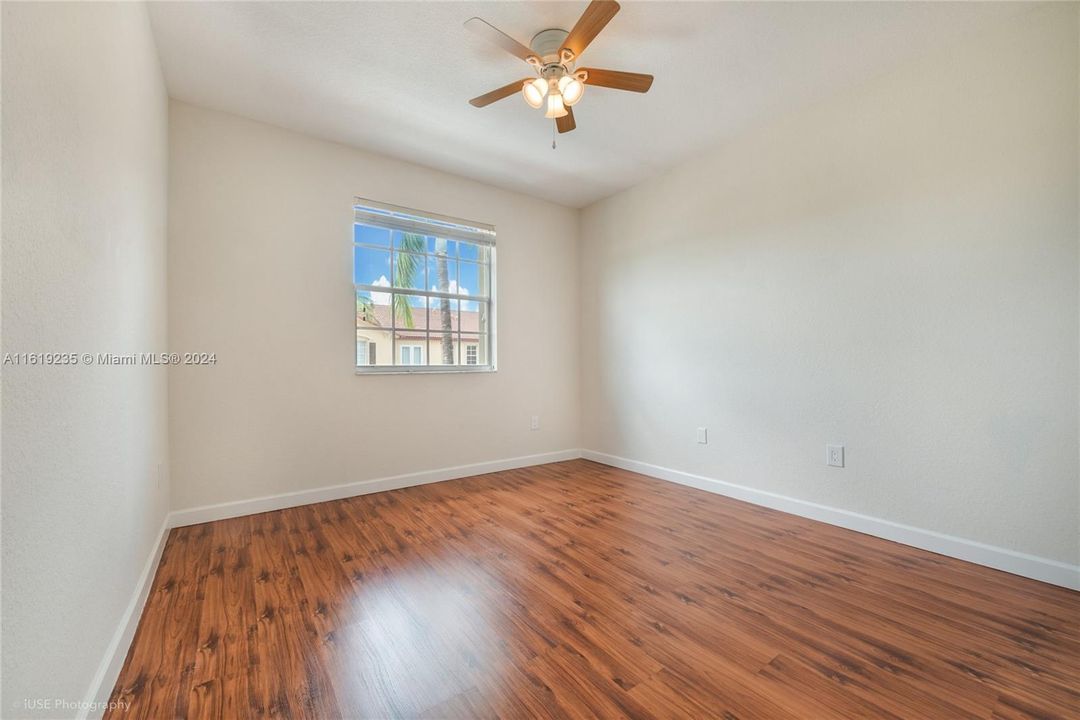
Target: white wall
<point>84,174</point>
<point>894,269</point>
<point>260,228</point>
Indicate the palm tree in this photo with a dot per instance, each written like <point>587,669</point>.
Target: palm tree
<point>442,270</point>
<point>406,266</point>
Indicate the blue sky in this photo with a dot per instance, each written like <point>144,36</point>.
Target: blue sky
<point>371,265</point>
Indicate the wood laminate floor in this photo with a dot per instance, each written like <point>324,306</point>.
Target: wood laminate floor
<point>579,590</point>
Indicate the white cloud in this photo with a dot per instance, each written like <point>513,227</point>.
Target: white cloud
<point>380,298</point>
<point>383,298</point>
<point>465,304</point>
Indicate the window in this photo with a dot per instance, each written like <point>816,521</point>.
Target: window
<point>424,288</point>
<point>411,354</point>
<point>365,351</point>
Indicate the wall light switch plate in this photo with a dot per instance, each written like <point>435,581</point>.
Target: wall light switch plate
<point>534,423</point>
<point>834,455</point>
<point>703,436</point>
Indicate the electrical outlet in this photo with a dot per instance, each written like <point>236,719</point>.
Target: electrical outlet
<point>703,436</point>
<point>834,455</point>
<point>534,423</point>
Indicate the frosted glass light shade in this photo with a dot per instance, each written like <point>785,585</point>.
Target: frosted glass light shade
<point>555,107</point>
<point>533,92</point>
<point>571,89</point>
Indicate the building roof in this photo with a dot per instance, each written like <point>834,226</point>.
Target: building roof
<point>470,321</point>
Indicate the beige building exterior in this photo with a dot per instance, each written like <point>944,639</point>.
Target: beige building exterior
<point>380,344</point>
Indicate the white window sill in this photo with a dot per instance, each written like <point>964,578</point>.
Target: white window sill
<point>424,370</point>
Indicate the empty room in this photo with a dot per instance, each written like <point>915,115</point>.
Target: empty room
<point>375,360</point>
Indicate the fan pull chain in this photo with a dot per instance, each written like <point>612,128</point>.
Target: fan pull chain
<point>552,134</point>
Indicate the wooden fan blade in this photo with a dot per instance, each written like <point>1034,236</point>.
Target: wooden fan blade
<point>494,35</point>
<point>566,123</point>
<point>503,92</point>
<point>634,82</point>
<point>589,25</point>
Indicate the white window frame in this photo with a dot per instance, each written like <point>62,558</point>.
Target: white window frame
<point>395,217</point>
<point>472,352</point>
<point>411,346</point>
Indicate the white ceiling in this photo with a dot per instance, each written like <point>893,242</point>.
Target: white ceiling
<point>395,77</point>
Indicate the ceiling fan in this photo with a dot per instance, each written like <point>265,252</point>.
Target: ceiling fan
<point>553,55</point>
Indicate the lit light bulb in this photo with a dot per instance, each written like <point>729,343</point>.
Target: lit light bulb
<point>571,89</point>
<point>555,107</point>
<point>533,91</point>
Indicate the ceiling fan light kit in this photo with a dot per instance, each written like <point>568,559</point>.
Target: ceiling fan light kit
<point>552,55</point>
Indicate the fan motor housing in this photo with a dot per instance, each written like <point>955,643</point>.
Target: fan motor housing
<point>547,44</point>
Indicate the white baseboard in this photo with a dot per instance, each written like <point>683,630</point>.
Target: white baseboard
<point>105,678</point>
<point>208,513</point>
<point>1031,566</point>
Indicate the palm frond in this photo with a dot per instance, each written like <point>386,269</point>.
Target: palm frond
<point>405,268</point>
<point>365,309</point>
